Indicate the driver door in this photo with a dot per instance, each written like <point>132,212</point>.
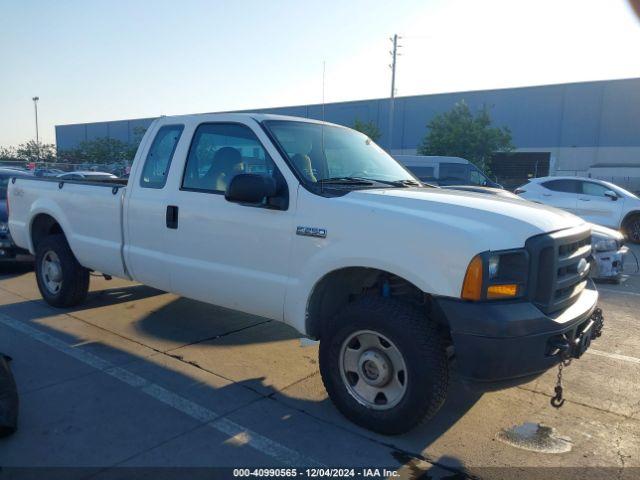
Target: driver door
<point>593,205</point>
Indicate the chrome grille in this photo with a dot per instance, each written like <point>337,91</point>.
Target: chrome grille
<point>561,274</point>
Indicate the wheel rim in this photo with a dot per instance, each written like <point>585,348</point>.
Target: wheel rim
<point>373,370</point>
<point>51,272</point>
<point>635,231</point>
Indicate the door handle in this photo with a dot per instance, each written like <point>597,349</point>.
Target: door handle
<point>585,199</point>
<point>172,217</point>
<point>546,194</point>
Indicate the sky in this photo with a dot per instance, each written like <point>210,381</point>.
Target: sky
<point>96,60</point>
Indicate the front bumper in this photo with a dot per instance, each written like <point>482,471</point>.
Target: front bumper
<point>609,265</point>
<point>505,341</point>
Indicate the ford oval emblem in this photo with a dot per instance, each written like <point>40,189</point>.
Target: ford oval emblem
<point>583,267</point>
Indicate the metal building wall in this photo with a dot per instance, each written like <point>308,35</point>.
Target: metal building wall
<point>578,124</point>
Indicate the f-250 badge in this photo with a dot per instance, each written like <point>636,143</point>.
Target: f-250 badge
<point>311,232</point>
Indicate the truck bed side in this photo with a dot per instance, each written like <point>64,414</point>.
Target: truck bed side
<point>88,213</point>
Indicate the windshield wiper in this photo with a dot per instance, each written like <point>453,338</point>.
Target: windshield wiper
<point>345,181</point>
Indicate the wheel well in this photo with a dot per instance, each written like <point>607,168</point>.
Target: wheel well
<point>627,217</point>
<point>42,226</point>
<point>342,286</point>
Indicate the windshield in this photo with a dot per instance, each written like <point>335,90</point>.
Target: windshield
<point>321,153</point>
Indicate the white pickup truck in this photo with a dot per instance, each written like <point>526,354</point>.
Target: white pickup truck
<point>313,224</point>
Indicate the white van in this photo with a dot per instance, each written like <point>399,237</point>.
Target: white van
<point>441,170</point>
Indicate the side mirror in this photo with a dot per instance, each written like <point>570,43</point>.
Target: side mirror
<point>250,188</point>
<point>611,194</point>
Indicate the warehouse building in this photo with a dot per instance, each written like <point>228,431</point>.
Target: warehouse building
<point>560,129</point>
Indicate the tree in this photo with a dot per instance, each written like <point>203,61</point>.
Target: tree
<point>102,150</point>
<point>370,129</point>
<point>8,154</point>
<point>33,151</point>
<point>460,133</point>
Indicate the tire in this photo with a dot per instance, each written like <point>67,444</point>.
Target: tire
<point>73,283</point>
<point>421,347</point>
<point>631,228</point>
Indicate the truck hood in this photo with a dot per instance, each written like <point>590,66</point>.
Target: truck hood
<point>512,219</point>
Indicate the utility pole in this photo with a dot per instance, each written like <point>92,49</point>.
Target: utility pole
<point>394,54</point>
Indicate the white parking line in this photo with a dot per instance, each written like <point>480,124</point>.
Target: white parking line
<point>258,442</point>
<point>615,356</point>
<point>623,292</point>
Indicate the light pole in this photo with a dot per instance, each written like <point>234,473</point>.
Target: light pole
<point>35,105</point>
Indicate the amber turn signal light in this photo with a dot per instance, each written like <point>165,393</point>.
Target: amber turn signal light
<point>472,286</point>
<point>502,291</point>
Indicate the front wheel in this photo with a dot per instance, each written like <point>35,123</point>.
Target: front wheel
<point>384,365</point>
<point>632,229</point>
<point>62,281</point>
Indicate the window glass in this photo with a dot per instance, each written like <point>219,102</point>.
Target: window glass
<point>454,172</point>
<point>320,152</point>
<point>220,151</point>
<point>476,177</point>
<point>156,166</point>
<point>4,181</point>
<point>423,173</point>
<point>566,186</point>
<point>590,188</point>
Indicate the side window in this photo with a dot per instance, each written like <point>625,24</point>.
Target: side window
<point>158,161</point>
<point>423,173</point>
<point>477,177</point>
<point>595,189</point>
<point>220,151</point>
<point>565,186</point>
<point>454,172</point>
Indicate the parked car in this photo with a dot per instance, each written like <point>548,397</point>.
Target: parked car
<point>8,249</point>
<point>596,201</point>
<point>608,251</point>
<point>500,192</point>
<point>439,170</point>
<point>333,236</point>
<point>47,172</point>
<point>89,176</point>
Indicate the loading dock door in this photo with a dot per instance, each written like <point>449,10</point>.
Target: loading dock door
<point>514,169</point>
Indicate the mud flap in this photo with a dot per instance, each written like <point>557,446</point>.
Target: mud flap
<point>8,398</point>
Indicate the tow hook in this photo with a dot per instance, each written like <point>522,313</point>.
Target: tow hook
<point>561,346</point>
<point>557,401</point>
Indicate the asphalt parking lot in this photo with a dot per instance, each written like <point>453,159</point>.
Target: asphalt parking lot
<point>141,378</point>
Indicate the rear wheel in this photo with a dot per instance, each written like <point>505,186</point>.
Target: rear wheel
<point>384,365</point>
<point>62,281</point>
<point>632,228</point>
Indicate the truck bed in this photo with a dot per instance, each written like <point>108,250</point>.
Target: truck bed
<point>89,212</point>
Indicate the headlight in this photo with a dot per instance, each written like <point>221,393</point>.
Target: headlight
<point>496,275</point>
<point>605,245</point>
<point>4,228</point>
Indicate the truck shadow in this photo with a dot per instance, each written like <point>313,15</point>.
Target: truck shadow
<point>274,414</point>
<point>14,269</point>
<point>233,329</point>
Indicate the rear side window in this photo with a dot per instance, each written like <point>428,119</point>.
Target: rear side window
<point>565,186</point>
<point>156,166</point>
